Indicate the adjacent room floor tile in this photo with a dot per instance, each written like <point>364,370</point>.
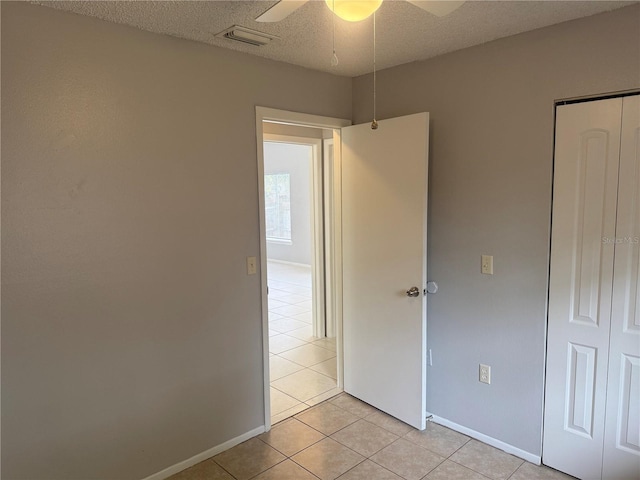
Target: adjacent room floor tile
<point>328,459</point>
<point>298,289</point>
<point>273,304</point>
<point>438,439</point>
<point>323,396</point>
<point>304,384</point>
<point>281,367</point>
<point>327,418</point>
<point>389,423</point>
<point>364,437</point>
<point>274,316</point>
<point>286,470</point>
<point>308,355</point>
<point>294,299</point>
<point>304,333</point>
<point>306,304</point>
<point>248,459</point>
<point>273,282</point>
<point>290,294</point>
<point>276,293</point>
<point>288,310</point>
<point>281,401</point>
<point>289,274</point>
<point>304,317</point>
<point>207,470</point>
<point>407,459</point>
<point>353,405</point>
<point>529,471</point>
<point>328,343</point>
<point>368,470</point>
<point>291,437</point>
<point>328,368</point>
<point>285,325</point>
<point>281,343</point>
<point>487,460</point>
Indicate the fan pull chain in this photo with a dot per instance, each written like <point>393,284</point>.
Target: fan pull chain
<point>334,58</point>
<point>374,124</point>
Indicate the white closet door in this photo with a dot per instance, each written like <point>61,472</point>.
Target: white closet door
<point>622,424</point>
<point>584,212</point>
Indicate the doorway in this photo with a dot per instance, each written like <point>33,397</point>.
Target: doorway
<point>296,206</point>
<point>377,315</point>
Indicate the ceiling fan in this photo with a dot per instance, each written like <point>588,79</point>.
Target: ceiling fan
<point>354,10</point>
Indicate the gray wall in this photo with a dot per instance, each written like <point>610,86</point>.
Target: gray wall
<point>296,161</point>
<point>490,193</point>
<point>131,334</point>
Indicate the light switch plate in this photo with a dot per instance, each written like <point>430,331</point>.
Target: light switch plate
<point>487,264</point>
<point>251,266</point>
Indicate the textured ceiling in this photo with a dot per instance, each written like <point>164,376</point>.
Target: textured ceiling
<point>405,33</point>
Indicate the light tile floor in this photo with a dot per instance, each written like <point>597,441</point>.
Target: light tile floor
<point>346,439</point>
<point>302,367</point>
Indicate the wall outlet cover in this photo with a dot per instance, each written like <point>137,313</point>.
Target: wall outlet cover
<point>485,374</point>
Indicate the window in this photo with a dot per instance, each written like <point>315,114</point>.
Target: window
<point>277,195</point>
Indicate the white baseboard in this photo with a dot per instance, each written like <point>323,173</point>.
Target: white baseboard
<point>529,457</point>
<point>200,457</point>
<point>285,262</point>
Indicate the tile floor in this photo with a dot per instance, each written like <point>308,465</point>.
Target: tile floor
<point>344,438</point>
<point>302,367</point>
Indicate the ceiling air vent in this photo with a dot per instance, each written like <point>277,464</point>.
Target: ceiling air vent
<point>246,35</point>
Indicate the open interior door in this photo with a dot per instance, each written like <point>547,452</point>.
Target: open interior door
<point>384,252</point>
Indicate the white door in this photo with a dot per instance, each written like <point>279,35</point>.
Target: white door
<point>622,424</point>
<point>384,245</point>
<point>592,405</point>
<point>584,212</point>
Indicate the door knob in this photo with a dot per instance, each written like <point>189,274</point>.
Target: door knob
<point>413,292</point>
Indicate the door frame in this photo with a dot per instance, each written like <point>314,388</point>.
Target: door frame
<point>332,248</point>
<point>330,191</point>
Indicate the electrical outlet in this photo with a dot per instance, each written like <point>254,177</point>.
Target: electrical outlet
<point>485,374</point>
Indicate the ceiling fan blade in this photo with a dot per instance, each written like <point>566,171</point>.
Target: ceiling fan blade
<point>281,10</point>
<point>438,8</point>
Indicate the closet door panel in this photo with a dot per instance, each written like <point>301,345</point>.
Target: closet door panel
<point>584,213</point>
<point>622,424</point>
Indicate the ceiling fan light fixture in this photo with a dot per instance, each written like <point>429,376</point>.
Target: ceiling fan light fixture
<point>353,10</point>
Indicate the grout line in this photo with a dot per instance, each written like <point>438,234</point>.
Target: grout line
<point>224,469</point>
<point>272,466</point>
<point>460,447</point>
<point>469,468</point>
<point>302,467</point>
